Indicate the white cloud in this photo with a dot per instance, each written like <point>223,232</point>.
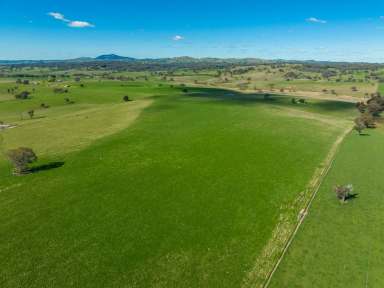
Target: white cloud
<point>73,24</point>
<point>178,38</point>
<point>316,20</point>
<point>80,24</point>
<point>58,16</point>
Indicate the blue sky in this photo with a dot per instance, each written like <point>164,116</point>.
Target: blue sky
<point>321,30</point>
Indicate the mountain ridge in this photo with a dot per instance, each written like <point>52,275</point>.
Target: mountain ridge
<point>171,60</point>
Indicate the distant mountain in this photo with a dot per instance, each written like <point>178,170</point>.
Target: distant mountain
<point>183,60</point>
<point>114,57</point>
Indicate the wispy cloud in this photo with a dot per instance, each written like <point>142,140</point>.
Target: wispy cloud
<point>178,38</point>
<point>70,23</point>
<point>80,24</point>
<point>316,20</point>
<point>58,16</point>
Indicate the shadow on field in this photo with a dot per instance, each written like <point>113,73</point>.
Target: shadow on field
<point>335,105</point>
<point>34,118</point>
<point>352,196</point>
<point>230,96</point>
<point>267,98</point>
<point>45,167</point>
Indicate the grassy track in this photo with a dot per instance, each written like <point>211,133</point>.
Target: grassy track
<point>341,245</point>
<point>188,195</point>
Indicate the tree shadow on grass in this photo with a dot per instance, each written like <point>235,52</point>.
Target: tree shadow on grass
<point>351,196</point>
<point>267,98</point>
<point>335,105</point>
<point>45,167</point>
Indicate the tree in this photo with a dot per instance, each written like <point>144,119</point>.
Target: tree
<point>359,125</point>
<point>23,95</point>
<point>368,120</point>
<point>375,108</point>
<point>343,192</point>
<point>361,106</point>
<point>69,101</point>
<point>31,113</point>
<point>52,78</point>
<point>126,98</point>
<point>20,158</point>
<point>60,90</point>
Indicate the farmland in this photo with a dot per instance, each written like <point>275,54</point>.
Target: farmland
<point>187,184</point>
<point>340,245</point>
<point>213,144</point>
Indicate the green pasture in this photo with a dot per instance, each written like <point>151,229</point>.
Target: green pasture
<point>340,245</point>
<point>172,189</point>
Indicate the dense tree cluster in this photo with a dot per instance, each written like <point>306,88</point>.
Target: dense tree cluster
<point>369,112</point>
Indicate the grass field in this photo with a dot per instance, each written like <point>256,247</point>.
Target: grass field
<point>269,79</point>
<point>170,190</point>
<point>341,245</point>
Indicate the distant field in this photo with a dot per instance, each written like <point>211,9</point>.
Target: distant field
<point>172,189</point>
<point>268,79</point>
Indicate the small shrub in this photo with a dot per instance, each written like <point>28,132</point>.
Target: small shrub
<point>126,98</point>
